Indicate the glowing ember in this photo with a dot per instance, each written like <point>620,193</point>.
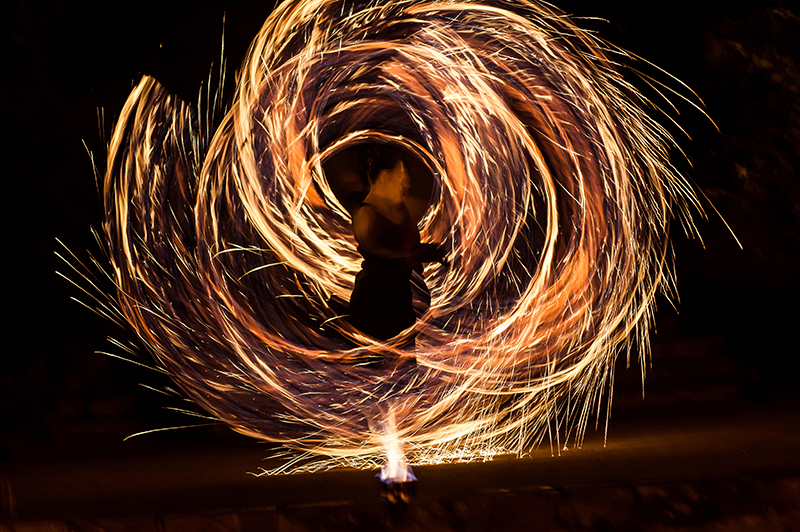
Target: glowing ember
<point>552,189</point>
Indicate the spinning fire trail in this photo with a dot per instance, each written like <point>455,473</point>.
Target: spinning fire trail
<point>552,190</point>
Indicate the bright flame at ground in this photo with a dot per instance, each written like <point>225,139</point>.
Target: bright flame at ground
<point>553,190</point>
<point>395,468</point>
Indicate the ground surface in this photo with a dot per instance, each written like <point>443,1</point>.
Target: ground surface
<point>737,470</point>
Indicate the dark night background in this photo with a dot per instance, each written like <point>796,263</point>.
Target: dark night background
<point>731,343</point>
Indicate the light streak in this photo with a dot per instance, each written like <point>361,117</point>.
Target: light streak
<point>553,191</point>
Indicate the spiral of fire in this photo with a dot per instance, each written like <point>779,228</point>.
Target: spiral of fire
<point>552,190</point>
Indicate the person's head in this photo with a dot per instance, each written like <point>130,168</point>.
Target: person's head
<point>387,173</point>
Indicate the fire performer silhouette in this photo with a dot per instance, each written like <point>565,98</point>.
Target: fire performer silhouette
<point>381,304</point>
<point>389,241</point>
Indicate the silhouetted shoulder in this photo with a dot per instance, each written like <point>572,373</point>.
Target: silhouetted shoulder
<point>365,219</point>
